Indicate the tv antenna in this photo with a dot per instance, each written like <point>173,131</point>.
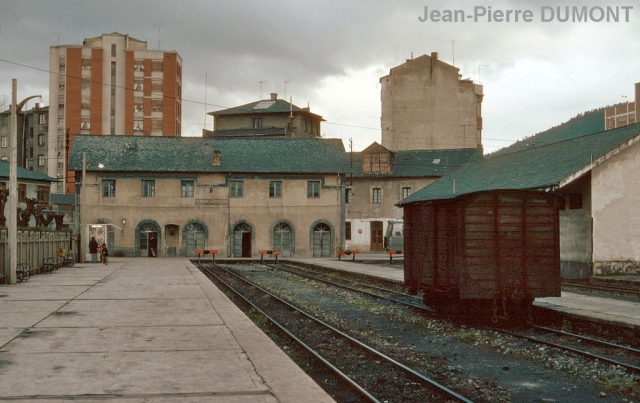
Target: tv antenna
<point>262,82</point>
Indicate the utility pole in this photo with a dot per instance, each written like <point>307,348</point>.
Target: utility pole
<point>10,271</point>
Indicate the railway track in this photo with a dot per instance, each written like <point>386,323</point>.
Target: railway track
<point>344,355</point>
<point>599,287</point>
<point>608,352</point>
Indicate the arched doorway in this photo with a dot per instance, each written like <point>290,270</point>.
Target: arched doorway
<point>283,239</point>
<point>148,240</point>
<point>321,240</point>
<point>242,240</point>
<point>193,238</point>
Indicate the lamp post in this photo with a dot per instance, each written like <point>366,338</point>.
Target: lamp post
<point>12,250</point>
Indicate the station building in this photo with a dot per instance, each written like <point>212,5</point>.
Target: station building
<point>169,196</point>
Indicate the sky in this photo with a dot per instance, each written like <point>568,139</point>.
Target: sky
<point>537,71</point>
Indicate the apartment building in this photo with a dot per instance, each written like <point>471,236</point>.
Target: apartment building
<point>427,106</point>
<point>622,114</point>
<point>267,118</point>
<point>110,85</point>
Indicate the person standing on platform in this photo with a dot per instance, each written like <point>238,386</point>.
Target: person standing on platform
<point>105,254</point>
<point>93,249</point>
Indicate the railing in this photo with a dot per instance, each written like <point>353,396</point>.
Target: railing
<point>34,246</point>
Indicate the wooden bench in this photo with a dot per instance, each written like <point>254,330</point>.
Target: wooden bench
<point>269,252</point>
<point>341,253</point>
<point>205,252</point>
<point>394,252</point>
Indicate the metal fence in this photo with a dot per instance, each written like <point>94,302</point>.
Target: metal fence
<point>34,246</point>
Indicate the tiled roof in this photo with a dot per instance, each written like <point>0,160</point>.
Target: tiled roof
<point>23,174</point>
<point>195,154</point>
<point>536,168</point>
<point>263,106</point>
<point>421,163</point>
<point>586,123</point>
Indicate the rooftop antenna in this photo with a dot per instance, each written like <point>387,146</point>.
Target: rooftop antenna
<point>285,89</point>
<point>453,52</point>
<point>57,33</point>
<point>206,78</point>
<point>261,82</point>
<point>480,66</point>
<point>159,41</point>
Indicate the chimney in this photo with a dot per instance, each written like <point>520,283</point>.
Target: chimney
<point>434,56</point>
<point>216,157</point>
<point>274,96</point>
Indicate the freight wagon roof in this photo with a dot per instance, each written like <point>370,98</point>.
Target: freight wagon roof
<point>195,154</point>
<point>544,167</point>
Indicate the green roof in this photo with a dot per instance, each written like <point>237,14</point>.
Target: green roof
<point>24,175</point>
<point>541,167</point>
<point>263,106</point>
<point>420,163</point>
<point>585,123</point>
<point>195,154</point>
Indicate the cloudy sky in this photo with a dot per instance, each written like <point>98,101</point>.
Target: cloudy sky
<point>331,54</point>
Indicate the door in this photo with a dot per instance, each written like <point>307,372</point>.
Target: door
<point>148,240</point>
<point>282,239</point>
<point>377,237</point>
<point>194,238</point>
<point>242,240</point>
<point>321,241</point>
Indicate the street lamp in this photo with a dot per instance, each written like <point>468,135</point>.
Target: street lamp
<point>12,250</point>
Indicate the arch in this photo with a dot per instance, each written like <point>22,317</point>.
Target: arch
<point>321,238</point>
<point>242,239</point>
<point>195,235</point>
<point>148,237</point>
<point>283,238</point>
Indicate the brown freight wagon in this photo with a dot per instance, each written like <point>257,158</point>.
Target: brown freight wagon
<point>492,251</point>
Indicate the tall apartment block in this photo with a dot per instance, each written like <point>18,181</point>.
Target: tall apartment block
<point>109,85</point>
<point>427,106</point>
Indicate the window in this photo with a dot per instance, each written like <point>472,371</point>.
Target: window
<point>257,123</point>
<point>113,50</point>
<point>137,125</point>
<point>5,141</point>
<point>347,230</point>
<point>186,188</point>
<point>43,195</point>
<point>40,139</point>
<point>42,119</point>
<point>377,195</point>
<point>406,192</point>
<point>275,189</point>
<point>109,188</point>
<point>375,162</point>
<point>313,189</point>
<point>22,192</point>
<point>348,195</point>
<point>40,160</point>
<point>148,188</point>
<point>236,188</point>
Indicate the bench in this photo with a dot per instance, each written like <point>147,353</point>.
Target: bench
<point>394,252</point>
<point>70,260</point>
<point>49,264</point>
<point>269,252</point>
<point>24,271</point>
<point>205,252</point>
<point>341,253</point>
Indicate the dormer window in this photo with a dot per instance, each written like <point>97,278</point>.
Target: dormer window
<point>375,162</point>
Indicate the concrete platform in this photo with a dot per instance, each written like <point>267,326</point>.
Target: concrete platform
<point>138,330</point>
